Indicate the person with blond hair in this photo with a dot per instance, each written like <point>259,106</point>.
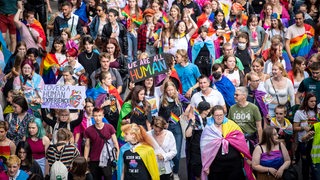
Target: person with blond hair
<point>137,159</point>
<point>14,171</point>
<point>279,87</point>
<point>187,72</point>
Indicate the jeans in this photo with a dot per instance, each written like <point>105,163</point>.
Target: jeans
<point>99,172</point>
<point>316,171</point>
<point>305,159</point>
<point>132,47</point>
<point>175,128</point>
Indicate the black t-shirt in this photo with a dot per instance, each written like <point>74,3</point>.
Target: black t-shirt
<point>193,142</point>
<point>222,163</point>
<point>134,167</point>
<point>140,118</point>
<point>245,59</point>
<point>204,51</point>
<point>90,61</point>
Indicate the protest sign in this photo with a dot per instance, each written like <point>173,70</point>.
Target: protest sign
<point>146,68</point>
<point>63,97</point>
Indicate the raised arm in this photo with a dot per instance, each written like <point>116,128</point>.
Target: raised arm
<point>16,19</point>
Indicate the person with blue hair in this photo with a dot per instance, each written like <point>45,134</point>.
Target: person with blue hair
<point>38,141</point>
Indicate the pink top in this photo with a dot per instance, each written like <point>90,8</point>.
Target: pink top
<point>37,147</point>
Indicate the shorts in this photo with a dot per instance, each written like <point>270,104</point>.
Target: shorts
<point>7,22</point>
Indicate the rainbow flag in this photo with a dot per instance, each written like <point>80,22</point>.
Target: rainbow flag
<point>36,25</point>
<point>164,18</point>
<point>301,45</point>
<point>196,112</point>
<point>45,68</point>
<point>134,18</point>
<point>139,109</point>
<point>174,118</point>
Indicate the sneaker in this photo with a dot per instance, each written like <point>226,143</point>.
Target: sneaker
<point>176,177</point>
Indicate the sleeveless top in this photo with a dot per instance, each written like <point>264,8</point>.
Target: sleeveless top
<point>5,150</point>
<point>38,149</point>
<point>274,159</point>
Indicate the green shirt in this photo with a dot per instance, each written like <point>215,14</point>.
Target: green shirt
<point>238,63</point>
<point>8,7</point>
<point>246,117</point>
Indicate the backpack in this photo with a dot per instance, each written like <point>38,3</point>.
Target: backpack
<point>58,169</point>
<point>111,112</point>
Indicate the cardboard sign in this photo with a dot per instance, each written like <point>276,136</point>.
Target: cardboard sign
<point>146,68</point>
<point>63,97</point>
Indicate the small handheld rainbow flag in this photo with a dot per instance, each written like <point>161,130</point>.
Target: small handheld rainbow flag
<point>164,19</point>
<point>174,118</point>
<point>196,112</point>
<point>139,109</point>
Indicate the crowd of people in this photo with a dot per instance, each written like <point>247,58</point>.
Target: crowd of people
<point>240,97</point>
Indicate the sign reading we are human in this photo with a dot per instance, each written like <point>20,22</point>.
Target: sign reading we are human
<point>63,97</point>
<point>146,68</point>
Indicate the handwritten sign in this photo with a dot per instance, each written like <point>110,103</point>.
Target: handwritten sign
<point>63,97</point>
<point>146,68</point>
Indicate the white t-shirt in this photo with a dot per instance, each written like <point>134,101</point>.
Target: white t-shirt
<point>154,101</point>
<point>179,43</point>
<point>214,98</point>
<point>302,117</point>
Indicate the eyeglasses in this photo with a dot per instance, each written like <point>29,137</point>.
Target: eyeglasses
<point>218,115</point>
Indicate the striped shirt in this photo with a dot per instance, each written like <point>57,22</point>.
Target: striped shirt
<point>68,153</point>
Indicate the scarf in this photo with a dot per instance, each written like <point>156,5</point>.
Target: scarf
<point>179,36</point>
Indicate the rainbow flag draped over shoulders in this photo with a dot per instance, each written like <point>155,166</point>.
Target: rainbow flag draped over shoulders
<point>212,139</point>
<point>38,27</point>
<point>45,68</point>
<point>147,155</point>
<point>301,45</point>
<point>132,19</point>
<point>125,110</point>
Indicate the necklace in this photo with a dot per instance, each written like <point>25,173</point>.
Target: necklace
<point>90,56</point>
